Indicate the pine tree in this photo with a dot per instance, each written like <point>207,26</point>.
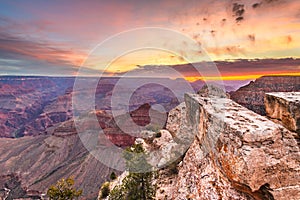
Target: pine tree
<point>137,185</point>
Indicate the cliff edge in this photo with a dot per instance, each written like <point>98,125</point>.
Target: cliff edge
<point>235,153</point>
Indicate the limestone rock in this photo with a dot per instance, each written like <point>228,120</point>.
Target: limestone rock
<point>176,119</point>
<point>236,154</point>
<point>212,90</point>
<point>244,154</point>
<point>284,106</point>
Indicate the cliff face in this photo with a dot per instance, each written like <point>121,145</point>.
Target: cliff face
<point>234,153</point>
<point>237,154</point>
<point>30,105</point>
<point>252,95</point>
<point>41,161</point>
<point>57,111</point>
<point>22,100</point>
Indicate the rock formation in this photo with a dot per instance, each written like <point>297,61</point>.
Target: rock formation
<point>234,153</point>
<point>30,105</point>
<point>41,161</point>
<point>59,110</point>
<point>252,95</point>
<point>22,100</point>
<point>285,107</point>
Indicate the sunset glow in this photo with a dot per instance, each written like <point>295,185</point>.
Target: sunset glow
<point>55,37</point>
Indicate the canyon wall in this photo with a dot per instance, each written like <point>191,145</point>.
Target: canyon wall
<point>40,161</point>
<point>30,105</point>
<point>23,99</point>
<point>252,95</point>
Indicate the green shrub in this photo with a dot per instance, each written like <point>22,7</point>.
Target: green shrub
<point>104,190</point>
<point>113,176</point>
<point>63,190</point>
<point>136,185</point>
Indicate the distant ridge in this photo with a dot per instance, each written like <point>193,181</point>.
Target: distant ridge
<point>252,95</point>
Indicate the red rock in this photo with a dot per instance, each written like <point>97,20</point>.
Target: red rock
<point>252,95</point>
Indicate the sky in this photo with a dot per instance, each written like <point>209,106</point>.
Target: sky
<point>244,38</point>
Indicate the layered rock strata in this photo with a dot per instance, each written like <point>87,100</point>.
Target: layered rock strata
<point>252,95</point>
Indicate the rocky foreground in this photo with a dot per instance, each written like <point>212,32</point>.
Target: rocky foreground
<point>234,154</point>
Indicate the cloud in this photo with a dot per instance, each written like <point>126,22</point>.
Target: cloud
<point>241,67</point>
<point>289,39</point>
<point>16,47</point>
<point>233,50</point>
<point>63,33</point>
<point>251,37</point>
<point>259,66</point>
<point>256,5</point>
<point>238,11</point>
<point>24,55</point>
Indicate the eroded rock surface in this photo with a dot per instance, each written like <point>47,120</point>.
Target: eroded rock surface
<point>22,100</point>
<point>284,106</point>
<point>236,154</point>
<point>41,161</point>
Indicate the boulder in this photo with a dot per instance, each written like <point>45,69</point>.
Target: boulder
<point>285,107</point>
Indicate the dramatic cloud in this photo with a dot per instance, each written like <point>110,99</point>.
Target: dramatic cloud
<point>256,5</point>
<point>229,70</point>
<point>12,47</point>
<point>51,35</point>
<point>238,11</point>
<point>229,50</point>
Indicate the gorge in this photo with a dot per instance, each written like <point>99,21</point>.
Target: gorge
<point>45,146</point>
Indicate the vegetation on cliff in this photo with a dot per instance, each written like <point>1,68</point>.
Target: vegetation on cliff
<point>138,184</point>
<point>64,190</point>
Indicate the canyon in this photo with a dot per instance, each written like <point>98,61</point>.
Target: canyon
<point>252,95</point>
<point>234,153</point>
<point>39,142</point>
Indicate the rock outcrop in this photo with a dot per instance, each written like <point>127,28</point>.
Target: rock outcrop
<point>285,107</point>
<point>235,153</point>
<point>252,95</point>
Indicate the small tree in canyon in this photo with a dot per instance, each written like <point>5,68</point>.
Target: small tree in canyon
<point>137,185</point>
<point>63,190</point>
